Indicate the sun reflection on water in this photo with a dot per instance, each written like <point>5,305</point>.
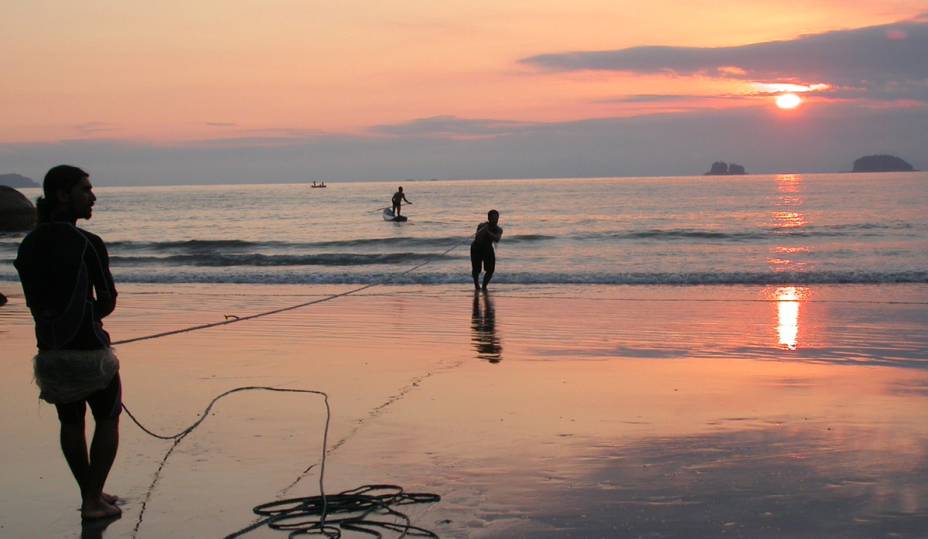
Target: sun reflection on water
<point>787,218</point>
<point>790,198</point>
<point>788,300</point>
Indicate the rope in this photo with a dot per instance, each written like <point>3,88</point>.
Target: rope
<point>359,503</point>
<point>234,319</point>
<point>177,438</point>
<point>293,515</point>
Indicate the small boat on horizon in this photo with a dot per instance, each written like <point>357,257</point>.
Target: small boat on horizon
<point>318,185</point>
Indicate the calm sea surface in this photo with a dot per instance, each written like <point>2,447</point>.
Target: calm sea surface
<point>782,229</point>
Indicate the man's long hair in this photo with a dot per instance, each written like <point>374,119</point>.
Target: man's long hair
<point>60,178</point>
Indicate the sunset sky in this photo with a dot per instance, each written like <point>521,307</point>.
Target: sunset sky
<point>289,90</point>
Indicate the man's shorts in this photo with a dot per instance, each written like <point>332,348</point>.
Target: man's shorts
<point>485,257</point>
<point>104,404</point>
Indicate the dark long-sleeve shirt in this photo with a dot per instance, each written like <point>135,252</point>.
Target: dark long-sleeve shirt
<point>66,279</point>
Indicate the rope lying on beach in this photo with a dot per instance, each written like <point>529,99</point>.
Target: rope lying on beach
<point>234,319</point>
<point>177,438</point>
<point>359,503</point>
<point>293,515</point>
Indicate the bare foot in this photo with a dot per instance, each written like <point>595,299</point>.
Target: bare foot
<point>109,498</point>
<point>98,509</point>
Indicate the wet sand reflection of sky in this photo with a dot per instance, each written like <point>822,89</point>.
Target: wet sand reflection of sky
<point>483,323</point>
<point>637,423</point>
<point>760,483</point>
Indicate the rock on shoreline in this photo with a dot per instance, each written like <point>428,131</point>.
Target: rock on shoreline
<point>16,211</point>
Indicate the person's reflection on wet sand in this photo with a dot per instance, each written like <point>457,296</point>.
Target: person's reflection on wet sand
<point>94,528</point>
<point>483,323</point>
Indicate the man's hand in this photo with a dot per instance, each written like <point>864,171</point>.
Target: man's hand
<point>105,303</point>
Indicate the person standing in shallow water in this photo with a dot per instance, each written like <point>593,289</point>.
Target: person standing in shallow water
<point>66,279</point>
<point>482,249</point>
<point>398,199</point>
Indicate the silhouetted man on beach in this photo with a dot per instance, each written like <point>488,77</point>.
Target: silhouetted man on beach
<point>482,251</point>
<point>398,199</point>
<point>69,289</point>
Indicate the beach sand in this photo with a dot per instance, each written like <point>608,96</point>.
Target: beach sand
<point>534,411</point>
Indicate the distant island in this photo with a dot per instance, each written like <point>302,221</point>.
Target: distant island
<point>881,163</point>
<point>721,168</point>
<point>17,180</point>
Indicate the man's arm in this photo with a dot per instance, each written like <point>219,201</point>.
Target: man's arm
<point>480,228</point>
<point>495,236</point>
<point>98,265</point>
<point>407,201</point>
<point>25,266</point>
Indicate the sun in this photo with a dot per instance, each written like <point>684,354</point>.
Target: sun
<point>788,101</point>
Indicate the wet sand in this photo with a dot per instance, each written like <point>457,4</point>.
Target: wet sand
<point>571,412</point>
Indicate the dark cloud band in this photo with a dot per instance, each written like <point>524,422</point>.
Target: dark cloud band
<point>888,60</point>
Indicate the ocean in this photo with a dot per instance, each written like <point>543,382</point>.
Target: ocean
<point>786,229</point>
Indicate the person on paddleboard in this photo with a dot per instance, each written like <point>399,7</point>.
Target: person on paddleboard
<point>398,199</point>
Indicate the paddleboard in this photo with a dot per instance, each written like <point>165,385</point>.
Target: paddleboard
<point>388,216</point>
